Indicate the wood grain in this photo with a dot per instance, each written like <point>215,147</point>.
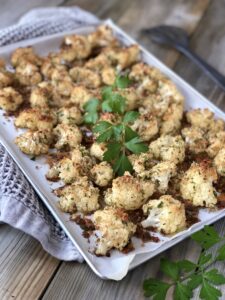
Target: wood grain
<point>25,268</point>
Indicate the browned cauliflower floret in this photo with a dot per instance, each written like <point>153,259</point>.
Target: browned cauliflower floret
<point>28,74</point>
<point>146,126</point>
<point>6,78</point>
<point>86,77</point>
<point>102,37</point>
<point>81,95</point>
<point>166,214</point>
<point>216,142</point>
<point>161,174</point>
<point>102,173</point>
<point>197,185</point>
<point>97,150</point>
<point>69,115</point>
<point>67,136</point>
<point>154,104</point>
<point>115,229</point>
<point>128,192</point>
<point>140,71</point>
<point>25,55</point>
<point>171,120</point>
<point>80,196</point>
<point>71,167</point>
<point>142,163</point>
<point>75,47</point>
<point>42,96</point>
<point>10,99</point>
<point>168,148</point>
<point>219,162</point>
<point>50,64</point>
<point>122,57</point>
<point>167,89</point>
<point>36,119</point>
<point>34,142</point>
<point>131,96</point>
<point>195,139</point>
<point>108,75</point>
<point>201,118</point>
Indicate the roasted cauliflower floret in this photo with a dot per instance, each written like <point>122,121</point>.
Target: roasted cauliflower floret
<point>146,126</point>
<point>36,119</point>
<point>34,142</point>
<point>168,148</point>
<point>28,74</point>
<point>10,99</point>
<point>167,89</point>
<point>131,96</point>
<point>86,77</point>
<point>25,55</point>
<point>75,47</point>
<point>97,150</point>
<point>171,120</point>
<point>6,78</point>
<point>80,196</point>
<point>122,57</point>
<point>166,214</point>
<point>69,115</point>
<point>195,139</point>
<point>216,143</point>
<point>128,192</point>
<point>108,75</point>
<point>161,174</point>
<point>142,163</point>
<point>115,229</point>
<point>42,96</point>
<point>141,70</point>
<point>102,173</point>
<point>81,95</point>
<point>197,185</point>
<point>201,118</point>
<point>219,162</point>
<point>102,37</point>
<point>67,136</point>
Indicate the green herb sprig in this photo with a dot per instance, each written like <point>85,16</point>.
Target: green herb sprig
<point>120,139</point>
<point>185,276</point>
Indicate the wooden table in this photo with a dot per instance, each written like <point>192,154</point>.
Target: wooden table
<point>26,270</point>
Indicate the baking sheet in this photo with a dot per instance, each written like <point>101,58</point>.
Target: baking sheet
<point>116,266</point>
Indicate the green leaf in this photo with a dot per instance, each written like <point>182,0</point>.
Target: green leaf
<point>209,292</point>
<point>221,253</point>
<point>129,134</point>
<point>130,116</point>
<point>204,258</point>
<point>117,131</point>
<point>106,92</point>
<point>112,152</point>
<point>122,82</point>
<point>106,106</point>
<point>105,136</point>
<point>169,268</point>
<point>182,292</point>
<point>101,126</point>
<point>186,265</point>
<point>136,146</point>
<point>122,164</point>
<point>195,281</point>
<point>214,277</point>
<point>91,105</point>
<point>207,237</point>
<point>118,103</point>
<point>91,118</point>
<point>155,288</point>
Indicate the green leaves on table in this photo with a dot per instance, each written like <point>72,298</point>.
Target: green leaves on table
<point>185,276</point>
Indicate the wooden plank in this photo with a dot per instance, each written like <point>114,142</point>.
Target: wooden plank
<point>25,268</point>
<point>77,281</point>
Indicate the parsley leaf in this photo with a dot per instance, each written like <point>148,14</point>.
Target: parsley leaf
<point>209,292</point>
<point>122,82</point>
<point>156,288</point>
<point>186,265</point>
<point>91,109</point>
<point>221,253</point>
<point>136,146</point>
<point>169,268</point>
<point>129,134</point>
<point>206,237</point>
<point>112,152</point>
<point>182,292</point>
<point>122,164</point>
<point>130,116</point>
<point>101,126</point>
<point>214,277</point>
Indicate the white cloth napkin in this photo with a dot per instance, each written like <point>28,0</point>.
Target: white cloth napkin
<point>20,207</point>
